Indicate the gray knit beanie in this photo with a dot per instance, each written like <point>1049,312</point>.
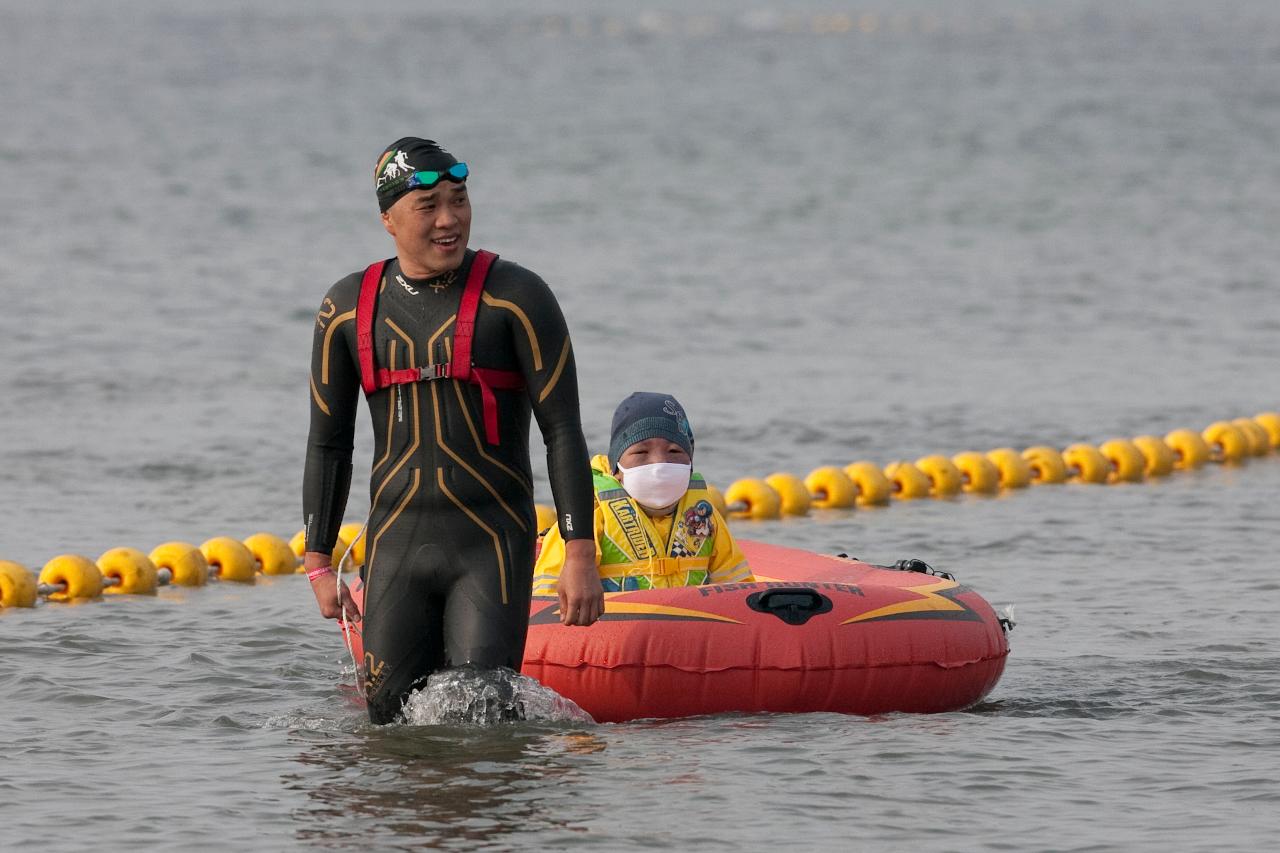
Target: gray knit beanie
<point>648,415</point>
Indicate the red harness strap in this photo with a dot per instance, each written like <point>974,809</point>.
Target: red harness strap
<point>460,368</point>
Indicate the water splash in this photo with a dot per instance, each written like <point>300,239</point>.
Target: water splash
<point>486,697</point>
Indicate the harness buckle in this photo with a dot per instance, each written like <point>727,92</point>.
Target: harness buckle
<point>433,371</point>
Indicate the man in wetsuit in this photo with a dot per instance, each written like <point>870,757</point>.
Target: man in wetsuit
<point>451,531</point>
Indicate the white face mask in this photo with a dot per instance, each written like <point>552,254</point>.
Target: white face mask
<point>657,486</point>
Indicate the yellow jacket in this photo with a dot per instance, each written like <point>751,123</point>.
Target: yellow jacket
<point>635,550</point>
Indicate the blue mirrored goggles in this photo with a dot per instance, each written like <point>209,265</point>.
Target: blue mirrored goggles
<point>428,178</point>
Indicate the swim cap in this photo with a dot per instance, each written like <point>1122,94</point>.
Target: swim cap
<point>648,415</point>
<point>401,159</point>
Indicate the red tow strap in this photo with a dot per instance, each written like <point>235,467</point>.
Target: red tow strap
<point>460,366</point>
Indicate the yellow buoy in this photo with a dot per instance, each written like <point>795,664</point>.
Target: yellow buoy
<point>874,487</point>
<point>546,518</point>
<point>831,488</point>
<point>185,562</point>
<point>1086,464</point>
<point>980,474</point>
<point>1259,441</point>
<point>133,570</point>
<point>1270,421</point>
<point>298,544</point>
<point>1159,456</point>
<point>232,560</point>
<point>1015,472</point>
<point>1189,447</point>
<point>1128,465</point>
<point>717,500</point>
<point>757,499</point>
<point>1046,465</point>
<point>17,585</point>
<point>945,478</point>
<point>792,491</point>
<point>1226,443</point>
<point>79,576</point>
<point>273,554</point>
<point>348,533</point>
<point>909,482</point>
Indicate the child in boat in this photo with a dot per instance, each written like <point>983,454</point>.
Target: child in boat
<point>655,524</point>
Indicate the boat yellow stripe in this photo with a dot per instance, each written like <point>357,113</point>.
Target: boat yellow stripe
<point>929,600</point>
<point>497,543</point>
<point>615,607</point>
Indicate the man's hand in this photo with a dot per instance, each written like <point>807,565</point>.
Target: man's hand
<point>581,596</point>
<point>326,589</point>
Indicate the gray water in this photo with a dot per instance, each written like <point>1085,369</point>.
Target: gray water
<point>834,232</point>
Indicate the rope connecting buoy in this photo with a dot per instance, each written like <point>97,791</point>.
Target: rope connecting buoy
<point>831,488</point>
<point>795,498</point>
<point>70,577</point>
<point>1047,465</point>
<point>874,488</point>
<point>230,560</point>
<point>1015,472</point>
<point>184,562</point>
<point>17,585</point>
<point>908,482</point>
<point>1159,457</point>
<point>132,571</point>
<point>272,554</point>
<point>1226,442</point>
<point>945,478</point>
<point>981,476</point>
<point>1128,465</point>
<point>752,498</point>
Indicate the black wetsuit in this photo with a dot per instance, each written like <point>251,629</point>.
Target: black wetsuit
<point>450,539</point>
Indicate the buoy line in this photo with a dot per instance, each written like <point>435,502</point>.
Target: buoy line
<point>128,571</point>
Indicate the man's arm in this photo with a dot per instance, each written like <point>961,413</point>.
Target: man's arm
<point>552,385</point>
<point>335,387</point>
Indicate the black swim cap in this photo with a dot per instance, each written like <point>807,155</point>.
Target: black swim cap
<point>401,159</point>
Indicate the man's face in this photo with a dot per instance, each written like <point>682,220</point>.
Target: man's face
<point>431,228</point>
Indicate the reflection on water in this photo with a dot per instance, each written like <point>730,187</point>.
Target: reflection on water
<point>462,786</point>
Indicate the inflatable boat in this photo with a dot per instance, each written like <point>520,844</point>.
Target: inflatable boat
<point>813,633</point>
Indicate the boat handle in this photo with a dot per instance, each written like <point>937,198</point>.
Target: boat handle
<point>793,605</point>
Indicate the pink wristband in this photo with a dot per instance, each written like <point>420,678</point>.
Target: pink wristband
<point>320,572</point>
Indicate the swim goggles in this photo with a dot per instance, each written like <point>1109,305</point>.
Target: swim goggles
<point>428,178</point>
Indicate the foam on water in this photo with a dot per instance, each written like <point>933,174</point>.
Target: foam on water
<point>487,697</point>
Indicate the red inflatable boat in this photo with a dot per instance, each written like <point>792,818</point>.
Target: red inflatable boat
<point>813,633</point>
